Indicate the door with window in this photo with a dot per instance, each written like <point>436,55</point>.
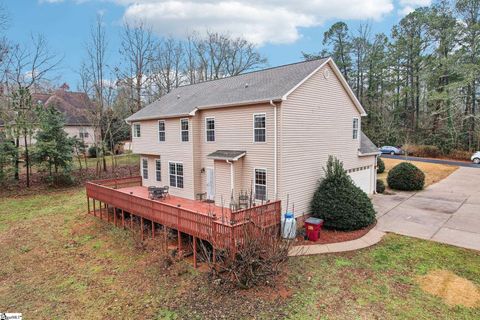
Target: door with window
<point>210,184</point>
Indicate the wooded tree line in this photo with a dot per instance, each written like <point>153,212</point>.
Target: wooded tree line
<point>420,84</point>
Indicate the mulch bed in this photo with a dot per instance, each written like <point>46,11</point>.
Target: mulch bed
<point>333,236</point>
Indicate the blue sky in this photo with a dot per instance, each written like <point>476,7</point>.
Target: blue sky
<point>282,29</point>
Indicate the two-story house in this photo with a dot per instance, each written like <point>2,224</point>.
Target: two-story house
<point>267,133</point>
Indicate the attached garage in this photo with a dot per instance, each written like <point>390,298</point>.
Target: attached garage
<point>364,178</point>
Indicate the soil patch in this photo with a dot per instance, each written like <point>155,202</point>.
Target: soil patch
<point>333,236</point>
<point>452,289</point>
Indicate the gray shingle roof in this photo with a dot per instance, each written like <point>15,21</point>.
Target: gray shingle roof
<point>366,145</point>
<point>227,154</point>
<point>256,86</point>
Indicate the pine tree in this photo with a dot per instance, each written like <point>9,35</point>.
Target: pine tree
<point>54,149</point>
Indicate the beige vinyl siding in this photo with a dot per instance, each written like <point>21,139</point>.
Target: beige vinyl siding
<point>316,121</point>
<point>170,150</point>
<point>234,131</point>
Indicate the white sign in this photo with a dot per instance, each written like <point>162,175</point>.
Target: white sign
<point>10,316</point>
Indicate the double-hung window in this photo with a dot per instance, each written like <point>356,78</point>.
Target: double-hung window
<point>145,168</point>
<point>355,128</point>
<point>158,170</point>
<point>136,130</point>
<point>83,134</point>
<point>210,129</point>
<point>259,127</point>
<point>161,130</point>
<point>176,174</point>
<point>261,184</point>
<point>184,129</point>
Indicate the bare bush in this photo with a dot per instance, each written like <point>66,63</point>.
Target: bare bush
<point>258,260</point>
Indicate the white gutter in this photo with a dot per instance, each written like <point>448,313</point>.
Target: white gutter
<point>275,156</point>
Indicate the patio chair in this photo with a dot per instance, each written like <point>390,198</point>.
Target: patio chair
<point>165,191</point>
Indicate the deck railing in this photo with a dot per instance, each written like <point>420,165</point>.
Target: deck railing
<point>201,225</point>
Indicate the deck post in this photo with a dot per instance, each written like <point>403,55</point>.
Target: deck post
<point>115,216</point>
<point>141,225</point>
<point>94,212</point>
<point>101,213</point>
<point>88,204</point>
<point>179,239</point>
<point>165,237</point>
<point>194,252</point>
<point>131,221</point>
<point>153,229</point>
<point>123,219</point>
<point>107,211</point>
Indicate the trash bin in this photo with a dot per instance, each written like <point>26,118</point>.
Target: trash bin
<point>313,226</point>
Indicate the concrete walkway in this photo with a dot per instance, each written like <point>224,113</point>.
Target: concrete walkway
<point>447,212</point>
<point>369,239</point>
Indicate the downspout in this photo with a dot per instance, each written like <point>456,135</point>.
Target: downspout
<point>275,153</point>
<point>232,180</point>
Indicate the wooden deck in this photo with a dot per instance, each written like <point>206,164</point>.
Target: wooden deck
<point>201,220</point>
<point>201,207</point>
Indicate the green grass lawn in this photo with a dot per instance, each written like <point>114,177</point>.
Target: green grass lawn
<point>60,263</point>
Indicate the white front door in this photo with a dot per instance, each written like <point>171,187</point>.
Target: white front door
<point>210,184</point>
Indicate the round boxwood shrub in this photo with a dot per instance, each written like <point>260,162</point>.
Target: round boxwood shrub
<point>92,151</point>
<point>341,204</point>
<point>406,176</point>
<point>380,186</point>
<point>380,165</point>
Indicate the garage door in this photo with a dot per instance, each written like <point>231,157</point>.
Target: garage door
<point>362,177</point>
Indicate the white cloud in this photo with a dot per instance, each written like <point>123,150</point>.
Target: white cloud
<point>408,6</point>
<point>50,1</point>
<point>272,21</point>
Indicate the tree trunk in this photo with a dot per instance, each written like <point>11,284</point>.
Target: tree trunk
<point>27,158</point>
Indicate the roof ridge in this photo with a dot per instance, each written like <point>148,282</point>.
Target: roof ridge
<point>253,71</point>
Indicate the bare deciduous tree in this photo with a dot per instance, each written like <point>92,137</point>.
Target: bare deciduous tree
<point>137,50</point>
<point>26,68</point>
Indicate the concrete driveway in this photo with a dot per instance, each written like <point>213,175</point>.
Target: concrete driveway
<point>447,212</point>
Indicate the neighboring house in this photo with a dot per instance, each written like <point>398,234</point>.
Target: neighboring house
<point>76,108</point>
<point>266,132</point>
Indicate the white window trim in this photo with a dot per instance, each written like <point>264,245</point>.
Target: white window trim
<point>214,130</point>
<point>164,130</point>
<point>134,134</point>
<point>253,126</point>
<point>183,176</point>
<point>148,173</point>
<point>358,128</point>
<point>181,130</point>
<point>255,184</point>
<point>156,171</point>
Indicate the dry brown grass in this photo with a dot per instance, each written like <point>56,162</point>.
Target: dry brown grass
<point>452,289</point>
<point>433,172</point>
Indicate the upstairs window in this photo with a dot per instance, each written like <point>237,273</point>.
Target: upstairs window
<point>259,127</point>
<point>261,184</point>
<point>83,134</point>
<point>184,129</point>
<point>145,168</point>
<point>176,174</point>
<point>355,128</point>
<point>161,130</point>
<point>210,129</point>
<point>136,130</point>
<point>158,170</point>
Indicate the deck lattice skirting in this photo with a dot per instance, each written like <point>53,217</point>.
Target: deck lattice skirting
<point>223,232</point>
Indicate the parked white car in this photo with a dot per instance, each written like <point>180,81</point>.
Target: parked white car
<point>476,157</point>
